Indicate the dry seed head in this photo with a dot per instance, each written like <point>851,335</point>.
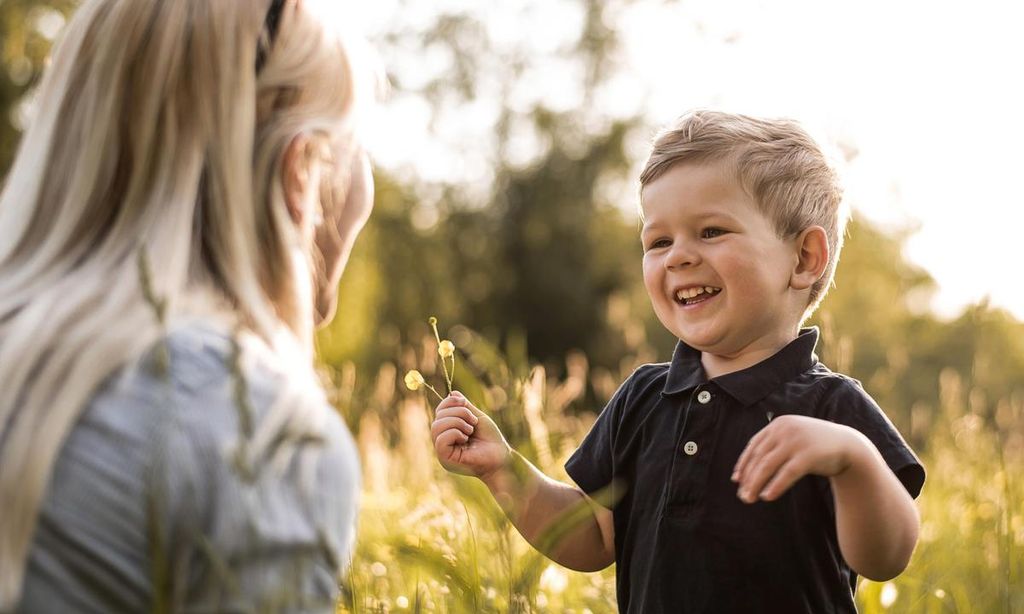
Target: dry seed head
<point>414,380</point>
<point>446,349</point>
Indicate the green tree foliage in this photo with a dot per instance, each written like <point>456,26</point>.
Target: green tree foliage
<point>542,250</point>
<point>27,30</point>
<point>876,327</point>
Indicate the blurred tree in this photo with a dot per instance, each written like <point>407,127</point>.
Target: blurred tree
<point>875,316</point>
<point>537,245</point>
<point>552,283</point>
<point>877,327</point>
<point>532,236</point>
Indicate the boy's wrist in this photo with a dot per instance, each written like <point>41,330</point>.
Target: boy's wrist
<point>857,454</point>
<point>508,483</point>
<point>499,478</point>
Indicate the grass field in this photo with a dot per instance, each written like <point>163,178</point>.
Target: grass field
<point>433,542</point>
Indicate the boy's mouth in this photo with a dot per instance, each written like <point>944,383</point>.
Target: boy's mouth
<point>695,294</point>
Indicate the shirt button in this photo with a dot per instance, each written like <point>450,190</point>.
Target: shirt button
<point>690,448</point>
<point>703,397</point>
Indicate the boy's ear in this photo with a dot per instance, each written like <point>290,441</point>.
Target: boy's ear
<point>812,257</point>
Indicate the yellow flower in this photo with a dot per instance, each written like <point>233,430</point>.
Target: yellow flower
<point>414,380</point>
<point>445,349</point>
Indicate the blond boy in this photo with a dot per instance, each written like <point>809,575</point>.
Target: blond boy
<point>748,477</point>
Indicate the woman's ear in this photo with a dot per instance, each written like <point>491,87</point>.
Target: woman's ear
<point>812,257</point>
<point>300,178</point>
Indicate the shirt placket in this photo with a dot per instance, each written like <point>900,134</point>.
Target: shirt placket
<point>693,451</point>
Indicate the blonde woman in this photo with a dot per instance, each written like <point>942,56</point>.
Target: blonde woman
<point>172,230</point>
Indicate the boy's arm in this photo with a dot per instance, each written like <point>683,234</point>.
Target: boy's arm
<point>876,520</point>
<point>536,504</point>
<point>467,441</point>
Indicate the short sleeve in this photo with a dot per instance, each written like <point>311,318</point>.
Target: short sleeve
<point>592,465</point>
<point>847,403</point>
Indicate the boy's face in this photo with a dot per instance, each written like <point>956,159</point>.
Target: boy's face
<point>717,273</point>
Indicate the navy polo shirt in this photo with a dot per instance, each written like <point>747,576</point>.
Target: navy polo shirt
<point>667,443</point>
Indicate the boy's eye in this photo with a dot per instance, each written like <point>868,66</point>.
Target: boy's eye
<point>711,233</point>
<point>658,243</point>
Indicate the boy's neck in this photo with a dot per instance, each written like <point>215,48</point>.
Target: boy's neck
<point>716,365</point>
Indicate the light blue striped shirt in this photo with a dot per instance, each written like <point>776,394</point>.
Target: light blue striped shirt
<point>147,510</point>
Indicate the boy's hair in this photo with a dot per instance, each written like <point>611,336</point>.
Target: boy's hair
<point>775,160</point>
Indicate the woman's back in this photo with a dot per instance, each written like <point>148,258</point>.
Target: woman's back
<point>180,486</point>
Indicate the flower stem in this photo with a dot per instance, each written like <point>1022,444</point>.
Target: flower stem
<point>436,393</point>
<point>447,377</point>
<point>444,364</point>
<point>452,378</point>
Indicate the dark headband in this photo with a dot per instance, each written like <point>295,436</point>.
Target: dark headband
<point>270,26</point>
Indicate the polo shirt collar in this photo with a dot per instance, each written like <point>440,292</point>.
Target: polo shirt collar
<point>751,384</point>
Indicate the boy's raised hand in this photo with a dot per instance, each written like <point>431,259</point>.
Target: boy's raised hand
<point>789,448</point>
<point>466,440</point>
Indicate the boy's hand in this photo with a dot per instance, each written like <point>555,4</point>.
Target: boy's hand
<point>466,440</point>
<point>789,448</point>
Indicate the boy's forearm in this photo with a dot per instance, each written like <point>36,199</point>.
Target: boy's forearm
<point>876,519</point>
<point>540,509</point>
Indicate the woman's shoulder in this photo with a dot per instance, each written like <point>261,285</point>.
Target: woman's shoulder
<point>204,385</point>
<point>206,368</point>
<point>229,444</point>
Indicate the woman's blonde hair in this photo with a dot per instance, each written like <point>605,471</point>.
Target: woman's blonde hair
<point>145,192</point>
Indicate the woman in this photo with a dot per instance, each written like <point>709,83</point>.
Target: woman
<point>173,228</point>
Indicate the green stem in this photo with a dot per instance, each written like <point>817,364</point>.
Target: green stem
<point>452,380</point>
<point>447,376</point>
<point>436,393</point>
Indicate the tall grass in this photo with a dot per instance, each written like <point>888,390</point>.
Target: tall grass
<point>970,557</point>
<point>430,541</point>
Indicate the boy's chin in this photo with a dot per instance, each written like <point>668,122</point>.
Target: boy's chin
<point>704,341</point>
<point>698,345</point>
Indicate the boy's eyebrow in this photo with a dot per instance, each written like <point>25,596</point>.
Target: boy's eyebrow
<point>693,218</point>
<point>649,226</point>
<point>704,215</point>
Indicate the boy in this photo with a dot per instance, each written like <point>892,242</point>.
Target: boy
<point>748,477</point>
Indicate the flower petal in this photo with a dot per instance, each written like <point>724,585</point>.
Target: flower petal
<point>446,349</point>
<point>414,380</point>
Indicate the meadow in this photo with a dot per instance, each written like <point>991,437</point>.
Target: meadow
<point>430,541</point>
<point>504,249</point>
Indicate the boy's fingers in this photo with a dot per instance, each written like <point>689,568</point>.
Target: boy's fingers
<point>442,425</point>
<point>749,454</point>
<point>784,478</point>
<point>458,411</point>
<point>447,440</point>
<point>465,402</point>
<point>457,399</point>
<point>759,473</point>
<point>451,401</point>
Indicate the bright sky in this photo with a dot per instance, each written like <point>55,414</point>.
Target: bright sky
<point>929,93</point>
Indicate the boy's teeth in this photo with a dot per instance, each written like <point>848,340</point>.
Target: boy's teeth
<point>688,293</point>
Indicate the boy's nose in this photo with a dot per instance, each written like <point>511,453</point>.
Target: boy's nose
<point>682,255</point>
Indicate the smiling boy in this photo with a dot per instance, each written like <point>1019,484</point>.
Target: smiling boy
<point>748,476</point>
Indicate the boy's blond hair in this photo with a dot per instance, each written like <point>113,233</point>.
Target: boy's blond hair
<point>776,161</point>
